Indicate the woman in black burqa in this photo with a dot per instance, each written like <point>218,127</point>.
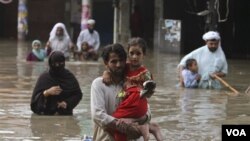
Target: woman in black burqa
<point>57,91</point>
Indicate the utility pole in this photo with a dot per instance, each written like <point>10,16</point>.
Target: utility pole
<point>22,21</point>
<point>116,20</point>
<point>86,13</point>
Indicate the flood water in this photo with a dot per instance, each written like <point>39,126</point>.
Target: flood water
<point>183,114</point>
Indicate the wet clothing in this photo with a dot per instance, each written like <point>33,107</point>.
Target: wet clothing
<point>36,56</point>
<point>132,105</point>
<point>206,81</point>
<point>208,62</point>
<point>37,53</point>
<point>189,79</point>
<point>103,104</point>
<point>56,76</point>
<point>62,45</point>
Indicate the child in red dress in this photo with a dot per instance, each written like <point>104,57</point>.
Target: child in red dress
<point>138,86</point>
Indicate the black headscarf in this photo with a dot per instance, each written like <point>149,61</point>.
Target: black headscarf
<point>56,63</point>
<point>57,75</point>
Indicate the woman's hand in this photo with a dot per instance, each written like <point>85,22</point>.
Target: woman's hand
<point>55,90</point>
<point>62,104</point>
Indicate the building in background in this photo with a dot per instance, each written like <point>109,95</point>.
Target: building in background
<point>229,17</point>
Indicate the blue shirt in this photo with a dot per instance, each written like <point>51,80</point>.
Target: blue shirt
<point>189,79</point>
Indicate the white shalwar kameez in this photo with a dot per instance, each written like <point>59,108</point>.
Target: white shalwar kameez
<point>208,62</point>
<point>93,39</point>
<point>103,104</point>
<point>62,43</point>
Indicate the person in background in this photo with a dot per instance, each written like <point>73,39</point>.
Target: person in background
<point>85,53</point>
<point>59,40</point>
<point>37,53</point>
<point>57,91</point>
<point>210,59</point>
<point>190,75</point>
<point>103,98</point>
<point>91,36</point>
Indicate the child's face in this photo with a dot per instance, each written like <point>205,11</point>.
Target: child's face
<point>84,46</point>
<point>194,67</point>
<point>135,56</point>
<point>36,46</point>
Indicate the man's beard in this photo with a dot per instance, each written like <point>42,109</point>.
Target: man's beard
<point>212,49</point>
<point>91,31</point>
<point>60,37</point>
<point>117,73</point>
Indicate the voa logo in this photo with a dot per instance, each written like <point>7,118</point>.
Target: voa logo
<point>236,132</point>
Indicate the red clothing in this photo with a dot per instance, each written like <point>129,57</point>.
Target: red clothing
<point>132,106</point>
<point>32,57</point>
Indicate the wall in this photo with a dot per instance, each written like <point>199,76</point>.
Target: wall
<point>42,16</point>
<point>102,12</point>
<point>8,20</point>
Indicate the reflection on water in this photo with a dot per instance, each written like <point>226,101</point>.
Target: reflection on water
<point>183,114</point>
<point>56,128</point>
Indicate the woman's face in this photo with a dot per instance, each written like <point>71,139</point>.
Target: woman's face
<point>36,46</point>
<point>56,61</point>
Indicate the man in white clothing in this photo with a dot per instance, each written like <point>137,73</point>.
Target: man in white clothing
<point>103,97</point>
<point>211,61</point>
<point>59,40</point>
<point>92,37</point>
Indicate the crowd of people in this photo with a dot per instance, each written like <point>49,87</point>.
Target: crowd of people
<point>119,98</point>
<point>86,48</point>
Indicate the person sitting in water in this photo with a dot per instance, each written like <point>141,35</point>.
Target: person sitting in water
<point>91,36</point>
<point>59,40</point>
<point>37,53</point>
<point>85,52</point>
<point>210,59</point>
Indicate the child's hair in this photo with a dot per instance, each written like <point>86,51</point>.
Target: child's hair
<point>85,43</point>
<point>189,63</point>
<point>84,46</point>
<point>138,41</point>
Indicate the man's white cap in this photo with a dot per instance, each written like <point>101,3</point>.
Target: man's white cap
<point>211,35</point>
<point>91,21</point>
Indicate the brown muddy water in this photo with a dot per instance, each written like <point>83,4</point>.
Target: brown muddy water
<point>183,114</point>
